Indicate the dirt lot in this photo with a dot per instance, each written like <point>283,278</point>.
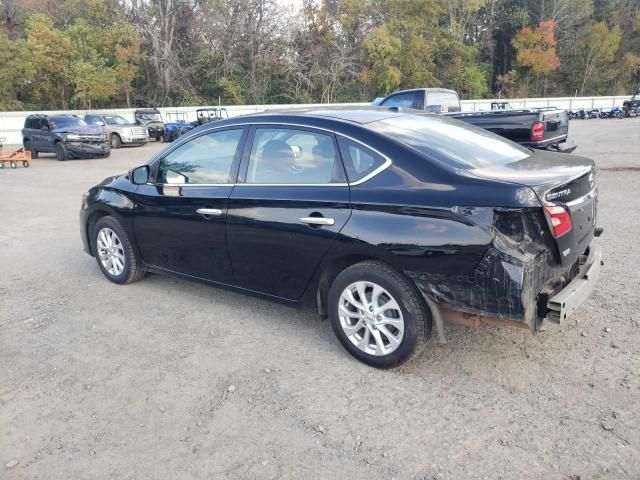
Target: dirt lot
<point>171,379</point>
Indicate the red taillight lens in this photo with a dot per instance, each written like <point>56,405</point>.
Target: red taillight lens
<point>537,131</point>
<point>560,220</point>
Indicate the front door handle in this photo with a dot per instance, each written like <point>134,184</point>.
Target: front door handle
<point>317,221</point>
<point>210,212</point>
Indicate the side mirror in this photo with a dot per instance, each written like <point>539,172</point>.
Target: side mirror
<point>45,128</point>
<point>139,175</point>
<point>100,123</point>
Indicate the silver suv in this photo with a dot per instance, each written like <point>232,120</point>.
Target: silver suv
<point>119,130</point>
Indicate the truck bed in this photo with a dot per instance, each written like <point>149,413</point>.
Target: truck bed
<point>516,125</point>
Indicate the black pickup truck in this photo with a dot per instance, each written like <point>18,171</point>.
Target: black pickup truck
<point>542,128</point>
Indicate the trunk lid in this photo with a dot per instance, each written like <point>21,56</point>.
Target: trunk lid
<point>557,179</point>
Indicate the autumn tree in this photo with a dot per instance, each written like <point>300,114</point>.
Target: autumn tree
<point>536,49</point>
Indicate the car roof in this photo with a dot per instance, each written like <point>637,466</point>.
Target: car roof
<point>351,114</point>
<point>52,115</point>
<point>426,89</point>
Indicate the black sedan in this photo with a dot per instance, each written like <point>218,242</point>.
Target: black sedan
<point>386,222</point>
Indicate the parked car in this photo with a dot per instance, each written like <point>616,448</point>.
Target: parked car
<point>151,118</point>
<point>67,136</point>
<point>382,220</point>
<point>543,128</point>
<point>119,130</point>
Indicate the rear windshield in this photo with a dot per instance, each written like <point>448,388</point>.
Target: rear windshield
<point>150,117</point>
<point>65,122</point>
<point>451,141</point>
<point>442,102</point>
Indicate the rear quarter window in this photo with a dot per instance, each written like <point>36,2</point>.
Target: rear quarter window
<point>359,161</point>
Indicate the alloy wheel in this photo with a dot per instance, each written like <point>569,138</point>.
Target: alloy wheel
<point>110,251</point>
<point>371,318</point>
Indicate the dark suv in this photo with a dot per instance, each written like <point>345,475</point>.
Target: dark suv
<point>65,135</point>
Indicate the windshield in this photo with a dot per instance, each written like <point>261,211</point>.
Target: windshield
<point>451,141</point>
<point>150,117</point>
<point>65,122</point>
<point>115,120</point>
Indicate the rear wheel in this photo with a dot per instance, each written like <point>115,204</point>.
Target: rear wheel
<point>61,151</point>
<point>116,141</point>
<point>377,315</point>
<point>114,253</point>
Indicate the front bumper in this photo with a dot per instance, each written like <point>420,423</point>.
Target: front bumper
<point>81,149</point>
<point>567,300</point>
<point>135,139</point>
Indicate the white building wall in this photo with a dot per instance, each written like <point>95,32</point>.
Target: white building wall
<point>11,123</point>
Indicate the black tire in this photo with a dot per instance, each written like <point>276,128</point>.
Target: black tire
<point>61,152</point>
<point>13,164</point>
<point>27,146</point>
<point>116,141</point>
<point>159,139</point>
<point>415,313</point>
<point>133,269</point>
<point>25,164</point>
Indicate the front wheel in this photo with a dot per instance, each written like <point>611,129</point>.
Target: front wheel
<point>377,315</point>
<point>116,142</point>
<point>114,253</point>
<point>61,151</point>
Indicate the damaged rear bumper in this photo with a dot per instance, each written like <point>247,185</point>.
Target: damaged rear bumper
<point>567,300</point>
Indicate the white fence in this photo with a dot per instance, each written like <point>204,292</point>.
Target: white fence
<point>11,123</point>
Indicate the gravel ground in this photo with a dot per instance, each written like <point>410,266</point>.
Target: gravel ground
<point>170,379</point>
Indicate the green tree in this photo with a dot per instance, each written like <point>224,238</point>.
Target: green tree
<point>597,47</point>
<point>382,74</point>
<point>49,53</point>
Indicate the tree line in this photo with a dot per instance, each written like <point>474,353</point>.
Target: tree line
<point>113,53</point>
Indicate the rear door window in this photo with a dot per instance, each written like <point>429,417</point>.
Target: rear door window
<point>359,161</point>
<point>403,100</point>
<point>293,156</point>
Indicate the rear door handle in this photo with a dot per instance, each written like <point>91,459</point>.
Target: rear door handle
<point>211,212</point>
<point>317,221</point>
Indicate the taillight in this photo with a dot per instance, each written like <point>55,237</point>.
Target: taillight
<point>559,219</point>
<point>537,131</point>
